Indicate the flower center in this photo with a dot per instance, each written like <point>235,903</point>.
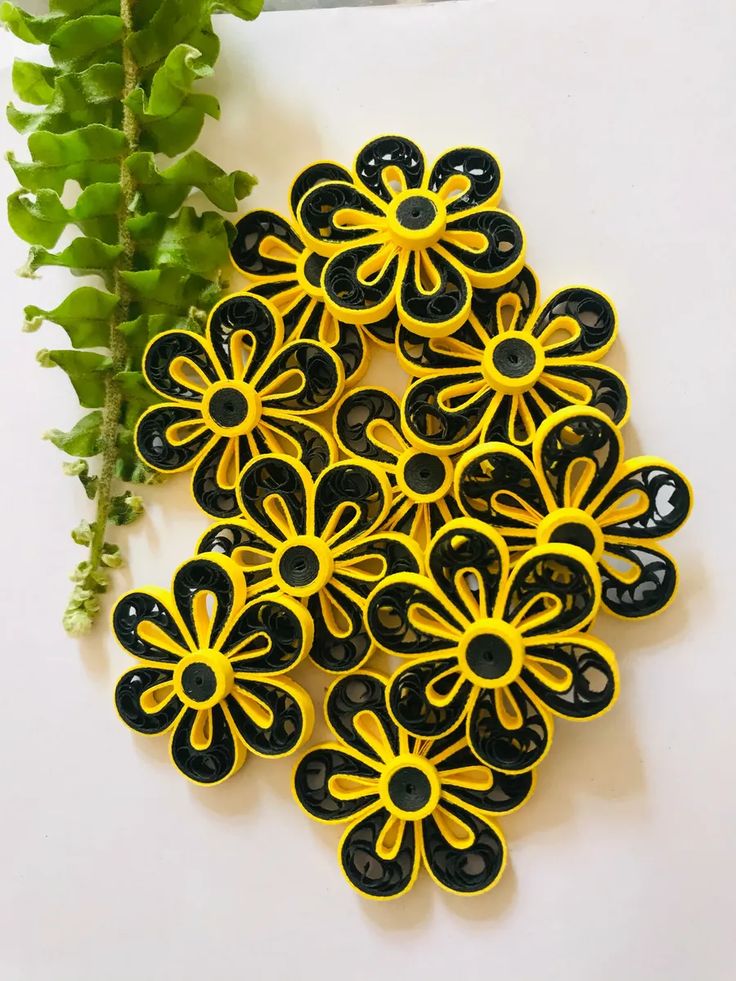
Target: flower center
<point>410,787</point>
<point>203,679</point>
<point>424,477</point>
<point>303,565</point>
<point>231,408</point>
<point>571,526</point>
<point>309,272</point>
<point>513,363</point>
<point>493,653</point>
<point>416,219</point>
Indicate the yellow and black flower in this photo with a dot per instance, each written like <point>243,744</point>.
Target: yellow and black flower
<point>233,394</point>
<point>510,366</point>
<point>320,542</point>
<point>401,237</point>
<point>270,249</point>
<point>368,425</point>
<point>498,651</point>
<point>578,488</point>
<point>410,802</point>
<point>211,669</point>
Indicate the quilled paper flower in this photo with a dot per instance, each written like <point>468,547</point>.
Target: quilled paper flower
<point>233,394</point>
<point>368,426</point>
<point>578,488</point>
<point>400,236</point>
<point>272,252</point>
<point>510,366</point>
<point>499,651</point>
<point>211,669</point>
<point>320,542</point>
<point>410,802</point>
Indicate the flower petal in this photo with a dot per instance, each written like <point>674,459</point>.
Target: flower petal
<point>334,213</point>
<point>452,426</point>
<point>317,173</point>
<point>368,871</point>
<point>275,495</point>
<point>147,625</point>
<point>576,322</point>
<point>473,867</point>
<point>244,331</point>
<point>360,282</point>
<point>265,245</point>
<point>579,451</point>
<point>497,484</point>
<point>207,760</point>
<point>356,713</point>
<point>270,636</point>
<point>302,377</point>
<point>594,385</point>
<point>317,323</point>
<point>293,436</point>
<point>145,700</point>
<point>211,495</point>
<point>428,697</point>
<point>179,365</point>
<point>341,642</point>
<point>252,554</point>
<point>488,245</point>
<point>368,425</point>
<point>575,677</point>
<point>507,730</point>
<point>332,784</point>
<point>390,159</point>
<point>435,293</point>
<point>171,438</point>
<point>273,718</point>
<point>471,174</point>
<point>469,562</point>
<point>407,616</point>
<point>361,566</point>
<point>650,499</point>
<point>350,500</point>
<point>197,579</point>
<point>472,784</point>
<point>551,589</point>
<point>637,580</point>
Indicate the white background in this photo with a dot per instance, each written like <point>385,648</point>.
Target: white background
<point>615,126</point>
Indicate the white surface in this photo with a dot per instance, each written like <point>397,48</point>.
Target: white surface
<point>615,127</point>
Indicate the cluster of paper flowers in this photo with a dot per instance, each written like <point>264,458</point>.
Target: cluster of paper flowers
<point>473,528</point>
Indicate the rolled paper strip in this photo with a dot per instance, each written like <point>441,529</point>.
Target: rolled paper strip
<point>368,425</point>
<point>212,669</point>
<point>232,395</point>
<point>320,542</point>
<point>409,802</point>
<point>578,488</point>
<point>401,239</point>
<point>493,652</point>
<point>510,366</point>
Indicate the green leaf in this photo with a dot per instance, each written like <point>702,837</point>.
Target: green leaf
<point>85,316</point>
<point>41,220</point>
<point>77,8</point>
<point>34,30</point>
<point>196,242</point>
<point>136,390</point>
<point>172,23</point>
<point>33,83</point>
<point>88,155</point>
<point>87,372</point>
<point>176,133</point>
<point>83,439</point>
<point>80,41</point>
<point>165,190</point>
<point>170,289</point>
<point>172,83</point>
<point>125,508</point>
<point>244,9</point>
<point>144,328</point>
<point>83,256</point>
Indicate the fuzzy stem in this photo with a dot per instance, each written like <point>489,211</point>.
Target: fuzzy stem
<point>117,343</point>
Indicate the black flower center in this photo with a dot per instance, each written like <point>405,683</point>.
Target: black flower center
<point>489,656</point>
<point>514,357</point>
<point>313,269</point>
<point>416,212</point>
<point>409,789</point>
<point>228,407</point>
<point>574,533</point>
<point>424,473</point>
<point>299,566</point>
<point>198,681</point>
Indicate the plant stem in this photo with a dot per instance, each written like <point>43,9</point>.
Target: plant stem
<point>117,344</point>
